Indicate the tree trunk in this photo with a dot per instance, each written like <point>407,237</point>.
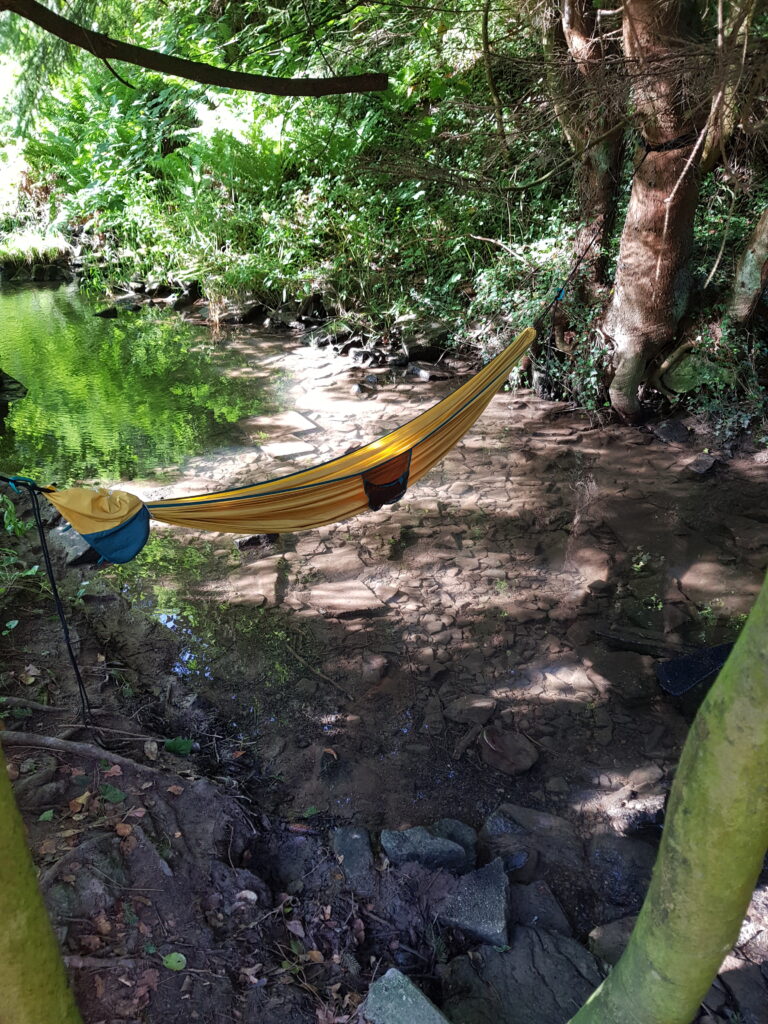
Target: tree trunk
<point>751,274</point>
<point>715,837</point>
<point>32,978</point>
<point>587,100</point>
<point>652,279</point>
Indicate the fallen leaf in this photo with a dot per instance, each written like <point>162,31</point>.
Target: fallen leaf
<point>90,943</point>
<point>113,771</point>
<point>13,772</point>
<point>147,785</point>
<point>237,753</point>
<point>123,830</point>
<point>315,956</point>
<point>296,927</point>
<point>151,749</point>
<point>331,751</point>
<point>175,961</point>
<point>98,984</point>
<point>358,931</point>
<point>176,790</point>
<point>80,802</point>
<point>136,812</point>
<point>101,924</point>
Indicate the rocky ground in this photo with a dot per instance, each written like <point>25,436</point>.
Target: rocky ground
<point>475,664</point>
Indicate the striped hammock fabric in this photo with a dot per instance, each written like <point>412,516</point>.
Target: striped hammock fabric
<point>116,523</point>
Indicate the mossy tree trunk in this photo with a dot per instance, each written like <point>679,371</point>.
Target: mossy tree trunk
<point>33,983</point>
<point>715,837</point>
<point>751,274</point>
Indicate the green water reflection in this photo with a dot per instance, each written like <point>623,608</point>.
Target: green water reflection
<point>111,399</point>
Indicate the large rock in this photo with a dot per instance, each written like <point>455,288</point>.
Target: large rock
<point>77,551</point>
<point>543,979</point>
<point>458,832</point>
<point>479,906</point>
<point>620,868</point>
<point>420,846</point>
<point>546,837</point>
<point>608,941</point>
<point>535,906</point>
<point>393,999</point>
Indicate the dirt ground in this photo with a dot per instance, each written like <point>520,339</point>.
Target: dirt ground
<point>381,672</point>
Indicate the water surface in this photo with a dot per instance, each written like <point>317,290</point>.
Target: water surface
<point>111,399</point>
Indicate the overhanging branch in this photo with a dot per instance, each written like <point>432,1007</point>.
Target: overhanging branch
<point>112,49</point>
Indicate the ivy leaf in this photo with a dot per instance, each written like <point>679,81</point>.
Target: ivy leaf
<point>46,816</point>
<point>111,793</point>
<point>179,746</point>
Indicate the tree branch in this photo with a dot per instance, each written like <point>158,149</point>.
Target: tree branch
<point>112,49</point>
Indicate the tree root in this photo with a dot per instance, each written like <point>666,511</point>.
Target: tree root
<point>31,739</point>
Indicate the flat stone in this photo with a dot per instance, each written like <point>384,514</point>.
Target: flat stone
<point>286,449</point>
<point>701,465</point>
<point>420,846</point>
<point>542,979</point>
<point>534,905</point>
<point>479,905</point>
<point>345,599</point>
<point>353,848</point>
<point>472,709</point>
<point>288,422</point>
<point>671,431</point>
<point>506,751</point>
<point>608,941</point>
<point>393,999</point>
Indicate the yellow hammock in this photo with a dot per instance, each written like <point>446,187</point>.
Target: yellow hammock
<point>116,523</point>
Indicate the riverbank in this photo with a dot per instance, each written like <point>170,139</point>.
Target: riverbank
<point>488,643</point>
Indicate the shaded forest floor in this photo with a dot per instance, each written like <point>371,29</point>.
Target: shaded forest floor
<point>490,640</point>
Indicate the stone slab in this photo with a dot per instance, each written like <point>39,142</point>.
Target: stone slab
<point>286,449</point>
<point>479,905</point>
<point>393,999</point>
<point>345,599</point>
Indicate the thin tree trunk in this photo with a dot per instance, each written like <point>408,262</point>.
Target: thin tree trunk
<point>33,983</point>
<point>652,279</point>
<point>751,274</point>
<point>586,97</point>
<point>715,837</point>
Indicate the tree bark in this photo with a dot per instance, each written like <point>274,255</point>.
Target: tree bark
<point>715,837</point>
<point>652,280</point>
<point>587,99</point>
<point>112,49</point>
<point>751,274</point>
<point>32,977</point>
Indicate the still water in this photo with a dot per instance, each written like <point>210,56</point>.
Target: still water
<point>111,399</point>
